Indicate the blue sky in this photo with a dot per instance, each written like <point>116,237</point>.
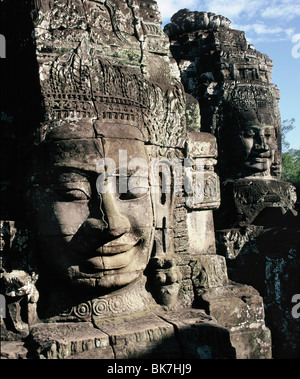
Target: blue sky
<point>273,27</point>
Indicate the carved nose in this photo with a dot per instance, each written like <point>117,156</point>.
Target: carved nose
<point>117,223</point>
<point>260,143</point>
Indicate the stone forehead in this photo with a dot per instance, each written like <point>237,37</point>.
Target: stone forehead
<point>253,116</point>
<point>260,127</point>
<point>91,129</point>
<point>81,144</point>
<point>86,153</point>
<point>261,117</point>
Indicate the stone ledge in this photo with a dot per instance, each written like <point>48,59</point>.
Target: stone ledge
<point>186,333</point>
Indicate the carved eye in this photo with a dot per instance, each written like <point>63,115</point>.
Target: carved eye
<point>128,196</point>
<point>248,133</point>
<point>137,187</point>
<point>134,193</point>
<point>268,133</point>
<point>72,194</point>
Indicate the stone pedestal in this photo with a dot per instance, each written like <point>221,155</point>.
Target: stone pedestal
<point>186,334</point>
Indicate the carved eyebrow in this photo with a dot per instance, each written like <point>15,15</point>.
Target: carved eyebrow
<point>131,172</point>
<point>74,171</point>
<point>64,174</point>
<point>260,127</point>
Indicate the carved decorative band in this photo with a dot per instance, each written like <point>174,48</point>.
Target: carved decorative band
<point>127,302</point>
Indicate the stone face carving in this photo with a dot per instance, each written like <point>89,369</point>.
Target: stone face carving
<point>99,101</point>
<point>239,105</point>
<point>250,125</point>
<point>238,102</point>
<point>69,231</point>
<point>120,187</point>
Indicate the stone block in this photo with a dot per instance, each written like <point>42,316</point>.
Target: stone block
<point>63,340</point>
<point>203,243</point>
<point>240,309</point>
<point>253,343</point>
<point>13,350</point>
<point>140,336</point>
<point>200,335</point>
<point>209,271</point>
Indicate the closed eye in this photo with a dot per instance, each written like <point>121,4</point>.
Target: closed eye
<point>73,194</point>
<point>248,133</point>
<point>136,187</point>
<point>136,193</point>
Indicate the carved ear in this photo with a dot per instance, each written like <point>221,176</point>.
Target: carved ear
<point>162,191</point>
<point>162,185</point>
<point>163,274</point>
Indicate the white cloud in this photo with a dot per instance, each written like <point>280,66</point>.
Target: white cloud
<point>283,9</point>
<point>261,28</point>
<point>296,38</point>
<point>169,7</point>
<point>232,9</point>
<point>270,9</point>
<point>289,32</point>
<point>260,9</point>
<point>228,8</point>
<point>296,47</point>
<point>262,20</point>
<point>261,32</point>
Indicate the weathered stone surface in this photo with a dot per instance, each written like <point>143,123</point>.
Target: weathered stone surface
<point>195,328</point>
<point>141,336</point>
<point>246,323</point>
<point>248,200</point>
<point>239,105</point>
<point>272,253</point>
<point>182,334</point>
<point>232,82</point>
<point>252,344</point>
<point>201,220</point>
<point>120,189</point>
<point>61,341</point>
<point>13,350</point>
<point>242,299</point>
<point>18,277</point>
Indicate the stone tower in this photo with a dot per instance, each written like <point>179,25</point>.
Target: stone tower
<point>257,226</point>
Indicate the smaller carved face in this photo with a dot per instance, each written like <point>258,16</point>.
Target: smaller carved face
<point>258,147</point>
<point>249,142</point>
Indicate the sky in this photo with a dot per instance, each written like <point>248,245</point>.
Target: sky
<point>273,27</point>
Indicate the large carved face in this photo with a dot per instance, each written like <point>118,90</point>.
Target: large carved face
<point>100,240</point>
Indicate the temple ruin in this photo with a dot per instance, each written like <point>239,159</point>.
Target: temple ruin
<point>132,214</point>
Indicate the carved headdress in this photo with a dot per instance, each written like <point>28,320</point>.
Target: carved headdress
<point>94,67</point>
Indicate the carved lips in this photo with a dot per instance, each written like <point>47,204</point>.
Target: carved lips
<point>260,159</point>
<point>257,157</point>
<point>115,254</point>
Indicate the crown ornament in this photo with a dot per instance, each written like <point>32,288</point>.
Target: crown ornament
<point>80,86</point>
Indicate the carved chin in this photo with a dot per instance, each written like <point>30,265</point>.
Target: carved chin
<point>107,280</point>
